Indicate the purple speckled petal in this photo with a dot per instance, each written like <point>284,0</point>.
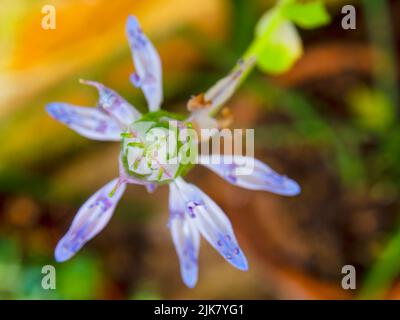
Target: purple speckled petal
<point>250,173</point>
<point>91,218</point>
<point>113,104</point>
<point>91,123</point>
<point>185,236</point>
<point>148,74</point>
<point>212,223</point>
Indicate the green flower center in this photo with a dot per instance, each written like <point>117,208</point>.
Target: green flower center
<point>158,147</point>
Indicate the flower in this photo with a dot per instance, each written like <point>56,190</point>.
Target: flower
<point>153,150</point>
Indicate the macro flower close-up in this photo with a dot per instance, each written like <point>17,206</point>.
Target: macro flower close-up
<point>189,152</point>
<point>152,154</point>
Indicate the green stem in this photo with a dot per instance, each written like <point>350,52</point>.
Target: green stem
<point>257,46</point>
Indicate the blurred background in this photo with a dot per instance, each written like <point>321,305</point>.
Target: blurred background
<point>331,123</point>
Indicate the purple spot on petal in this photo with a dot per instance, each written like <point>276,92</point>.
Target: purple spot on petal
<point>108,100</point>
<point>138,39</point>
<point>62,114</point>
<point>103,202</point>
<point>101,127</point>
<point>135,79</point>
<point>76,246</point>
<point>191,205</point>
<point>231,177</point>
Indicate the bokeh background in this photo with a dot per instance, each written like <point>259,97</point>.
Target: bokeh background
<point>331,123</point>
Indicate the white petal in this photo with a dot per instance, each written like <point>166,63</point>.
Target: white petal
<point>186,238</point>
<point>91,218</point>
<point>250,173</point>
<point>113,104</point>
<point>212,223</point>
<point>148,75</point>
<point>91,123</point>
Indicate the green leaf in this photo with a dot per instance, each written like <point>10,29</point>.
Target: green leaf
<point>279,49</point>
<point>307,14</point>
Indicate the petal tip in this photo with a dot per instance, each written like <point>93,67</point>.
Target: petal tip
<point>85,82</point>
<point>132,23</point>
<point>92,83</point>
<point>241,263</point>
<point>151,187</point>
<point>190,281</point>
<point>61,253</point>
<point>293,188</point>
<point>59,258</point>
<point>51,108</point>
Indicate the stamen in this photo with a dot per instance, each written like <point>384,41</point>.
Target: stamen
<point>198,102</point>
<point>117,185</point>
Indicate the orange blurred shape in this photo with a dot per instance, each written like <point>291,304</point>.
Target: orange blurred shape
<point>21,211</point>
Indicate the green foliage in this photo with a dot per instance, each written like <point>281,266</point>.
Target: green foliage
<point>281,49</point>
<point>307,15</point>
<point>277,44</point>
